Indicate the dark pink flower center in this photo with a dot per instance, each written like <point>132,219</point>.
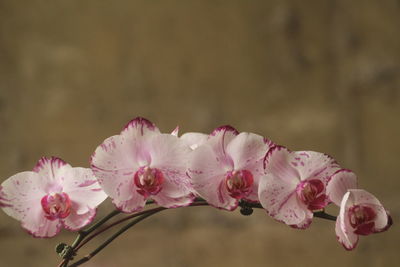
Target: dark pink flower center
<point>362,219</point>
<point>312,193</point>
<point>239,183</point>
<point>56,206</point>
<point>149,181</point>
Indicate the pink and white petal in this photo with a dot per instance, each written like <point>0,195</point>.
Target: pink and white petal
<point>75,221</point>
<point>170,155</point>
<point>35,222</point>
<point>314,165</point>
<point>253,196</point>
<point>247,151</point>
<point>294,213</point>
<point>140,127</point>
<point>194,140</point>
<point>175,132</point>
<point>4,202</point>
<point>114,164</point>
<point>340,182</point>
<point>22,190</point>
<point>362,197</point>
<point>83,189</point>
<point>172,202</point>
<point>136,203</point>
<point>208,176</point>
<point>51,171</point>
<point>278,197</point>
<point>277,163</point>
<point>118,153</point>
<point>347,238</point>
<point>219,140</point>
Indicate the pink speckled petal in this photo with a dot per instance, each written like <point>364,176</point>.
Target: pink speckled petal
<point>22,190</point>
<point>208,176</point>
<point>359,196</point>
<point>140,126</point>
<point>294,213</point>
<point>175,132</point>
<point>348,239</point>
<point>36,224</point>
<point>75,221</point>
<point>52,168</point>
<point>83,189</point>
<point>170,202</point>
<point>314,165</point>
<point>219,140</point>
<point>135,203</point>
<point>280,201</point>
<point>247,151</point>
<point>170,155</point>
<point>278,163</point>
<point>344,231</point>
<point>194,140</point>
<point>115,162</point>
<point>339,184</point>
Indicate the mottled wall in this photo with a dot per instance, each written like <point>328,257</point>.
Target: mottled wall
<point>315,75</point>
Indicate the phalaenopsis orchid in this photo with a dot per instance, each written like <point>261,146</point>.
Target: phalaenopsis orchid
<point>225,169</point>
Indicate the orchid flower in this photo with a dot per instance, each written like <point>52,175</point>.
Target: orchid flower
<point>227,167</point>
<point>141,163</point>
<point>52,196</point>
<point>361,213</point>
<point>295,185</point>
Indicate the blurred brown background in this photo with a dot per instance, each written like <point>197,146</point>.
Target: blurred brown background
<point>314,75</point>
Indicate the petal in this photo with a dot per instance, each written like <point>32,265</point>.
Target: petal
<point>83,189</point>
<point>359,196</point>
<point>22,190</point>
<point>348,239</point>
<point>52,171</point>
<point>115,162</point>
<point>175,132</point>
<point>247,151</point>
<point>169,154</point>
<point>339,184</point>
<point>135,203</point>
<point>207,175</point>
<point>35,222</point>
<point>294,213</point>
<point>140,126</point>
<point>277,163</point>
<point>194,140</point>
<point>169,202</point>
<point>75,221</point>
<point>280,201</point>
<point>219,140</point>
<point>49,166</point>
<point>314,165</point>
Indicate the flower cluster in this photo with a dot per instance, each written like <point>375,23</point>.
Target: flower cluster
<point>224,168</point>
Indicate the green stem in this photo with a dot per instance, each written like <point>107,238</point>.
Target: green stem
<point>114,236</point>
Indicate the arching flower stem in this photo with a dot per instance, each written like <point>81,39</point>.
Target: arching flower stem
<point>85,236</point>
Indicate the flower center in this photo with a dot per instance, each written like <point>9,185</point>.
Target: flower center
<point>311,193</point>
<point>239,183</point>
<point>362,219</point>
<point>56,206</point>
<point>148,180</point>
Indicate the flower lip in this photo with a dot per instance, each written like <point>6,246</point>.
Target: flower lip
<point>56,206</point>
<point>361,218</point>
<point>312,193</point>
<point>239,183</point>
<point>149,181</point>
